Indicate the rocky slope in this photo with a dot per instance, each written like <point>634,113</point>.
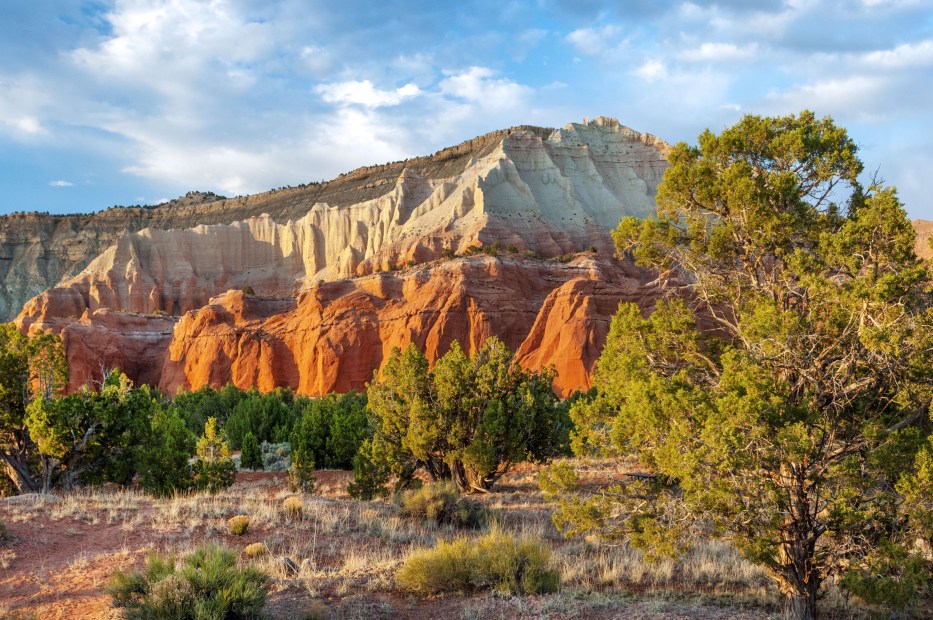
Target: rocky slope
<point>601,164</point>
<point>326,303</point>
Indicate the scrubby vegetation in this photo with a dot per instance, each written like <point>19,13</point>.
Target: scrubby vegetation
<point>238,525</point>
<point>442,503</point>
<point>496,561</point>
<point>469,419</point>
<point>205,584</point>
<point>798,428</point>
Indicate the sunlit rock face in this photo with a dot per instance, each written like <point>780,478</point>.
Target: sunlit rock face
<point>335,286</point>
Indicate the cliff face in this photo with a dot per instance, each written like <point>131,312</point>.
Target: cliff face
<point>341,272</point>
<point>336,334</point>
<point>327,302</point>
<point>596,162</point>
<point>552,195</point>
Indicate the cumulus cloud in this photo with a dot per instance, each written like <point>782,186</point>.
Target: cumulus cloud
<point>481,85</point>
<point>365,94</point>
<point>652,70</point>
<point>720,52</point>
<point>594,41</point>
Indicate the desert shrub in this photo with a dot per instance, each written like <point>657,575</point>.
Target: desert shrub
<point>196,407</point>
<point>565,258</point>
<point>448,253</point>
<point>206,584</point>
<point>330,431</point>
<point>511,249</point>
<point>251,457</point>
<point>255,550</point>
<point>468,419</point>
<point>496,561</point>
<point>214,470</point>
<point>269,417</point>
<point>238,525</point>
<point>442,503</point>
<point>248,290</point>
<point>493,248</point>
<point>530,254</point>
<point>293,506</point>
<point>164,467</point>
<point>276,456</point>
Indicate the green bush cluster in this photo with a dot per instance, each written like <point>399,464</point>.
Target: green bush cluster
<point>327,436</point>
<point>251,455</point>
<point>497,561</point>
<point>205,585</point>
<point>467,419</point>
<point>442,503</point>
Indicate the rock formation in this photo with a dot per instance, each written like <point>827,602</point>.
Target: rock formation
<point>336,334</point>
<point>311,287</point>
<point>326,301</point>
<point>38,251</point>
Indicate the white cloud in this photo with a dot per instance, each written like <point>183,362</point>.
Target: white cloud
<point>652,70</point>
<point>720,52</point>
<point>853,97</point>
<point>593,41</point>
<point>480,85</point>
<point>61,184</point>
<point>365,94</point>
<point>903,56</point>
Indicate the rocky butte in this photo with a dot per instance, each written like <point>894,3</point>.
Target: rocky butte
<point>311,287</point>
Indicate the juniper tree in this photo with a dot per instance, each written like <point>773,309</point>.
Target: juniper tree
<point>469,419</point>
<point>796,422</point>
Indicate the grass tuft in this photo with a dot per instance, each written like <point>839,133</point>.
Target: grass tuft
<point>497,561</point>
<point>238,525</point>
<point>442,503</point>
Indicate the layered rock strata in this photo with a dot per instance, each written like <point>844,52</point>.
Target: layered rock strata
<point>605,168</point>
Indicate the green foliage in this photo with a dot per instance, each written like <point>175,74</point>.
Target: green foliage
<point>331,430</point>
<point>214,470</point>
<point>268,416</point>
<point>496,561</point>
<point>196,407</point>
<point>788,422</point>
<point>276,456</point>
<point>442,503</point>
<point>206,585</point>
<point>164,463</point>
<point>251,456</point>
<point>91,435</point>
<point>469,420</point>
<point>30,367</point>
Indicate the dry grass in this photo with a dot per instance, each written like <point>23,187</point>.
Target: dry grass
<point>348,552</point>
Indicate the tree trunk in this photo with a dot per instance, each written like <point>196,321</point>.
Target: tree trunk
<point>800,606</point>
<point>18,472</point>
<point>467,480</point>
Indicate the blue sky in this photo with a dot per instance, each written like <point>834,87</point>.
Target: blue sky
<point>136,101</point>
